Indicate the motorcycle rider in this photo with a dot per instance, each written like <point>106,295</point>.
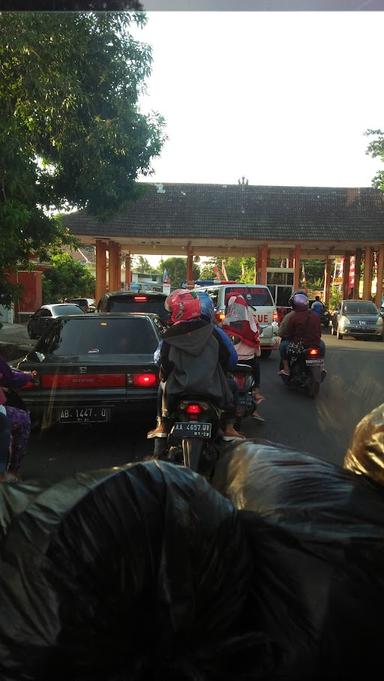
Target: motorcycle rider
<point>193,360</point>
<point>302,324</point>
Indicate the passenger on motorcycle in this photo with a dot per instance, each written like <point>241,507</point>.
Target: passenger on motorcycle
<point>193,360</point>
<point>302,325</point>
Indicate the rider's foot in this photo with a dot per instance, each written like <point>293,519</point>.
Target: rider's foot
<point>257,417</point>
<point>283,372</point>
<point>257,396</point>
<point>230,433</point>
<point>159,431</point>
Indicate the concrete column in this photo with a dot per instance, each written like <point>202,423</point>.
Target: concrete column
<point>262,264</point>
<point>296,265</point>
<point>128,271</point>
<point>327,280</point>
<point>190,282</point>
<point>114,266</point>
<point>368,272</point>
<point>380,273</point>
<point>345,284</point>
<point>356,285</point>
<point>101,269</point>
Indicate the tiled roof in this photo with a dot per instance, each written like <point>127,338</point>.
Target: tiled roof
<point>244,212</point>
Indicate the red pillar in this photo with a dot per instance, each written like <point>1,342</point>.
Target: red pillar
<point>128,271</point>
<point>101,269</point>
<point>327,280</point>
<point>345,284</point>
<point>262,264</point>
<point>380,272</point>
<point>297,266</point>
<point>190,282</point>
<point>114,266</point>
<point>356,285</point>
<point>368,271</point>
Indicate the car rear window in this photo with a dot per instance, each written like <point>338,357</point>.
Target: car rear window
<point>67,309</point>
<point>100,337</point>
<point>139,303</point>
<point>360,308</point>
<point>258,296</point>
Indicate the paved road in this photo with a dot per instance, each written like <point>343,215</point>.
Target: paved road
<point>322,427</point>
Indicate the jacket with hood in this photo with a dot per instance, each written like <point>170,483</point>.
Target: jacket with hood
<point>193,361</point>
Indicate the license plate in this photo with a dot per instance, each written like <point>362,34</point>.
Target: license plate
<point>183,429</point>
<point>84,414</point>
<point>314,362</point>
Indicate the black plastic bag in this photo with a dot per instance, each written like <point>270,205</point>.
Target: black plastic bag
<point>140,573</point>
<point>316,533</point>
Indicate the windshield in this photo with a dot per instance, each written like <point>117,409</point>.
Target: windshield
<point>129,304</point>
<point>360,308</point>
<point>66,309</point>
<point>99,337</point>
<point>255,296</point>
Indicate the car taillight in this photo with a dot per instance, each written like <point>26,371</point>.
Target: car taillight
<point>220,316</point>
<point>143,380</point>
<point>34,383</point>
<point>140,299</point>
<point>83,381</point>
<point>193,409</point>
<point>275,316</point>
<point>313,352</point>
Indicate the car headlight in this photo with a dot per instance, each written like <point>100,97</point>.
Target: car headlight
<point>379,321</point>
<point>346,321</point>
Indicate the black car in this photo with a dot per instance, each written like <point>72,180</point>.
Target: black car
<point>132,301</point>
<point>44,317</point>
<point>94,368</point>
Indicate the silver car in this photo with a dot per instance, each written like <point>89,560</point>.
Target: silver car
<point>358,318</point>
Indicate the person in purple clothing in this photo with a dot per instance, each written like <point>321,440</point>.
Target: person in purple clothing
<point>19,423</point>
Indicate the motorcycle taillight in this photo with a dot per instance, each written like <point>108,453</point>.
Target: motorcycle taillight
<point>240,380</point>
<point>193,408</point>
<point>313,352</point>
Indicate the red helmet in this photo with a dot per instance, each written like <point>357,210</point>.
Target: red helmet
<point>183,305</point>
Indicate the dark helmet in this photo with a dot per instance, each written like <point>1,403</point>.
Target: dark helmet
<point>300,301</point>
<point>299,290</point>
<point>207,306</point>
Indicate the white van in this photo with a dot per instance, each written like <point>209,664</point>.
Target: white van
<point>260,299</point>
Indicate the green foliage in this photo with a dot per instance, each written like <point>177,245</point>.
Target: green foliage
<point>141,264</point>
<point>239,269</point>
<point>314,273</point>
<point>71,132</point>
<point>67,278</point>
<point>334,297</point>
<point>376,150</point>
<point>177,270</point>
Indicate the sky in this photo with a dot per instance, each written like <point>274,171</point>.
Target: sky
<point>281,98</point>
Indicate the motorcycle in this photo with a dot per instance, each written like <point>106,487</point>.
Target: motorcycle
<point>193,428</point>
<point>246,404</point>
<point>306,367</point>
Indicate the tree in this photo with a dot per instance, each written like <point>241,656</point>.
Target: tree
<point>67,278</point>
<point>141,264</point>
<point>240,269</point>
<point>177,270</point>
<point>71,132</point>
<point>376,150</point>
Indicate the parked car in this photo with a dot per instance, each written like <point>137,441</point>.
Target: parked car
<point>132,301</point>
<point>259,297</point>
<point>93,368</point>
<point>86,304</point>
<point>357,318</point>
<point>43,318</point>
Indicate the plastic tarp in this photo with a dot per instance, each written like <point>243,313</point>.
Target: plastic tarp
<point>316,532</point>
<point>135,573</point>
<point>365,456</point>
